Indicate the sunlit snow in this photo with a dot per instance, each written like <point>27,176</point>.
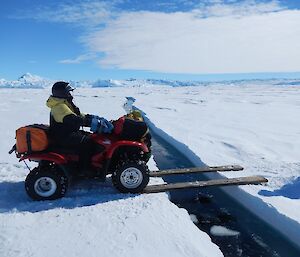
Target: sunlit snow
<point>251,123</point>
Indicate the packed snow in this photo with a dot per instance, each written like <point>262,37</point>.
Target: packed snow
<point>251,123</point>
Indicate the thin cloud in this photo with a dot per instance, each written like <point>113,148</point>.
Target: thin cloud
<point>219,8</point>
<point>79,59</point>
<point>82,13</point>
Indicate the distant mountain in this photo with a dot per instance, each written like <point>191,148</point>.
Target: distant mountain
<point>290,83</point>
<point>28,80</point>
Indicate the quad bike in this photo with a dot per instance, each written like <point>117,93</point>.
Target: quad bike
<point>124,159</point>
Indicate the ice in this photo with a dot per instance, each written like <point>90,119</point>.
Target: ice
<point>223,231</point>
<point>194,218</point>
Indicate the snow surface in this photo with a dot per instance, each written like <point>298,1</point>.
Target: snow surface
<point>251,123</point>
<point>255,126</point>
<point>93,219</point>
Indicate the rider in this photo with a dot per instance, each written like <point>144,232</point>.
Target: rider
<point>66,120</point>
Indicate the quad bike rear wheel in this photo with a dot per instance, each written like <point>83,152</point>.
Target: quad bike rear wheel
<point>131,176</point>
<point>47,183</point>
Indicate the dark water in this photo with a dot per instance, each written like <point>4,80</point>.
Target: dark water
<point>212,207</point>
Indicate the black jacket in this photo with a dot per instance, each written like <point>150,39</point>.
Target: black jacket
<point>65,118</point>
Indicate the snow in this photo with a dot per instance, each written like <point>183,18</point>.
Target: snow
<point>93,219</point>
<point>254,124</point>
<point>118,227</point>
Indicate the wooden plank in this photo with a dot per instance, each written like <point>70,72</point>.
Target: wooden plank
<point>161,173</point>
<point>214,182</point>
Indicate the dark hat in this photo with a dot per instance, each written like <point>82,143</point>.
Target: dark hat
<point>61,89</point>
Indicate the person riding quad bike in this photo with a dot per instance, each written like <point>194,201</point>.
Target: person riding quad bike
<point>66,121</point>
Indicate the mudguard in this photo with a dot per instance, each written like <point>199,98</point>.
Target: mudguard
<point>121,143</point>
<point>49,156</point>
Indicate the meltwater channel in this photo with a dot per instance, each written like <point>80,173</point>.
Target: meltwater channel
<point>213,207</point>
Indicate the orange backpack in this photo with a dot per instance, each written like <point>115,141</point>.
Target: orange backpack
<point>32,138</point>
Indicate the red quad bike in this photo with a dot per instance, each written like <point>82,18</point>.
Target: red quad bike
<point>124,158</point>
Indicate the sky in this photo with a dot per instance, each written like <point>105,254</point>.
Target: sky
<point>120,39</point>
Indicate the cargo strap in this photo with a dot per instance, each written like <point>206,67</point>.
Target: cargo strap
<point>28,140</point>
<point>27,165</point>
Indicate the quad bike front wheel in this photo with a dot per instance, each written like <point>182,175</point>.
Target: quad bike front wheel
<point>131,176</point>
<point>47,183</point>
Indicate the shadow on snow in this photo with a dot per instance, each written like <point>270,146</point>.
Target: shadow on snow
<point>13,197</point>
<point>291,190</point>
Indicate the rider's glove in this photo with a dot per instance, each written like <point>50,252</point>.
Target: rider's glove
<point>105,126</point>
<point>94,124</point>
<point>87,120</point>
<point>101,125</point>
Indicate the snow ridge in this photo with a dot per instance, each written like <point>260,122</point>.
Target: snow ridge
<point>28,80</point>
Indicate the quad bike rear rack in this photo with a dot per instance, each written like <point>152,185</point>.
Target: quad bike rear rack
<point>250,180</point>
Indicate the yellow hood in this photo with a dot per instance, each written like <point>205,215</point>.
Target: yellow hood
<point>60,108</point>
<point>53,101</point>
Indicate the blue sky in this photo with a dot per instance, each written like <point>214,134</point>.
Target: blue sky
<point>186,40</point>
